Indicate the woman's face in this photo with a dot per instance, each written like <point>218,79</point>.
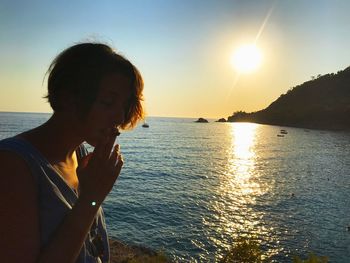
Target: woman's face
<point>108,110</point>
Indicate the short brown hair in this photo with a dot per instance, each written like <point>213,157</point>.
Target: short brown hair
<point>79,70</point>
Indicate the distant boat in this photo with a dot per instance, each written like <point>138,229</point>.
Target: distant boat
<point>145,125</point>
<point>283,132</point>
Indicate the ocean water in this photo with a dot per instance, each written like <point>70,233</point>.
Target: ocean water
<point>192,189</point>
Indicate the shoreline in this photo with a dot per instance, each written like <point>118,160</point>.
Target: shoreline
<point>308,127</point>
<point>121,252</point>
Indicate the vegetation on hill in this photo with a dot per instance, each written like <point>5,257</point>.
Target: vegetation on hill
<point>321,103</point>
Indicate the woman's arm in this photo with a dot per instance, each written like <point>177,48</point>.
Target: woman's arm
<point>70,236</point>
<point>97,175</point>
<point>19,222</point>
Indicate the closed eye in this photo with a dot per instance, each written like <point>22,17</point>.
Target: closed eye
<point>107,103</point>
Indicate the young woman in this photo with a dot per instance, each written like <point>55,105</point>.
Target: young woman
<point>51,189</point>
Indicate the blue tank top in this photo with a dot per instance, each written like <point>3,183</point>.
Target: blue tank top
<point>56,198</point>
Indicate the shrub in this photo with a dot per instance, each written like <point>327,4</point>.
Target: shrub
<point>244,251</point>
<point>312,258</point>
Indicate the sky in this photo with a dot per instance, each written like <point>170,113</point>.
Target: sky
<point>181,47</point>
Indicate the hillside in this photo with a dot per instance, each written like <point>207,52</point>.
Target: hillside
<point>321,103</point>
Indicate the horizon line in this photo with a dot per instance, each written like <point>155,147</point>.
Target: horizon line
<point>149,116</point>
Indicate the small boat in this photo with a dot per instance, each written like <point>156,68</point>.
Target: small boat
<point>280,135</point>
<point>283,132</point>
<point>145,125</point>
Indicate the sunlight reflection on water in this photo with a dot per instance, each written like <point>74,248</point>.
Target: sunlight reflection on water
<point>240,185</point>
<point>241,170</point>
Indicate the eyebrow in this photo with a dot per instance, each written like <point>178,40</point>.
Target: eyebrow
<point>116,93</point>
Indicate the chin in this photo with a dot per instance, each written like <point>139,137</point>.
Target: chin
<point>93,141</point>
<point>94,138</point>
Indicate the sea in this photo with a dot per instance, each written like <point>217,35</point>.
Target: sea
<point>192,190</point>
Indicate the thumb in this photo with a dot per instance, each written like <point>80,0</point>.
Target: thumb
<point>83,162</point>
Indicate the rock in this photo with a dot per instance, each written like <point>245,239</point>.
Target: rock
<point>202,120</point>
<point>221,120</point>
<point>121,253</point>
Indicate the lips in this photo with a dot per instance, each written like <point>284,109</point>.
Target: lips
<point>115,131</point>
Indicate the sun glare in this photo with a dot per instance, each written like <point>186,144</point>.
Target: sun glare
<point>246,58</point>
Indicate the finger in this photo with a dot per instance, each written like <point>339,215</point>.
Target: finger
<point>116,148</point>
<point>119,165</point>
<point>83,163</point>
<point>113,159</point>
<point>113,133</point>
<point>108,147</point>
<point>99,149</point>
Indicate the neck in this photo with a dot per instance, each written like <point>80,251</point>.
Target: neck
<point>56,139</point>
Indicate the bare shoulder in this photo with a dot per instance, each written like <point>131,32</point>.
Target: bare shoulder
<point>14,171</point>
<point>12,161</point>
<point>19,209</point>
<point>17,183</point>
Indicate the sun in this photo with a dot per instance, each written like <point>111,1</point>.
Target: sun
<point>246,58</point>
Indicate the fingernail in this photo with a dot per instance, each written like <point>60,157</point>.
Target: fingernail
<point>116,149</point>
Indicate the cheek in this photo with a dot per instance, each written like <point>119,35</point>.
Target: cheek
<point>92,129</point>
<point>94,136</point>
<point>98,120</point>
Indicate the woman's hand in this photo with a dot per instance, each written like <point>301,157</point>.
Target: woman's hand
<point>99,170</point>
